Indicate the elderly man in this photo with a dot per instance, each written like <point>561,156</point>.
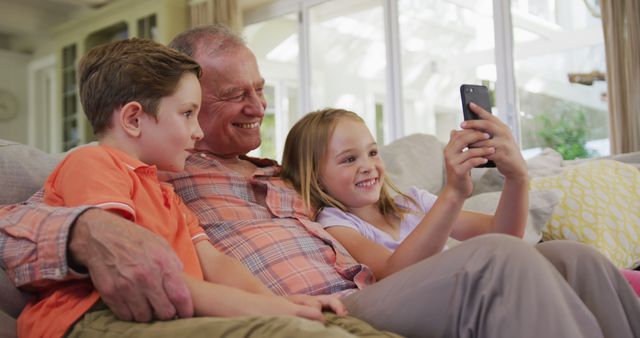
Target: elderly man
<point>491,286</point>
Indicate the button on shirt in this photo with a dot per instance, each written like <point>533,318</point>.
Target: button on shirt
<point>262,222</point>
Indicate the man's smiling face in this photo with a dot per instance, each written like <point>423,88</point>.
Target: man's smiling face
<point>233,101</point>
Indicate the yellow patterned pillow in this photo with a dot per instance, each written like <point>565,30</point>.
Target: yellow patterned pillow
<point>599,205</point>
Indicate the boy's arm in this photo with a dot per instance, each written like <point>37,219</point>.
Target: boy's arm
<point>218,300</point>
<point>221,269</point>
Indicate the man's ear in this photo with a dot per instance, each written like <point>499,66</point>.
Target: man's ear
<point>130,118</point>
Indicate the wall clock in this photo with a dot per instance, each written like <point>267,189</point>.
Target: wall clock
<point>8,105</point>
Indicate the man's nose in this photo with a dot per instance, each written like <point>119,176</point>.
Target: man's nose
<point>256,105</point>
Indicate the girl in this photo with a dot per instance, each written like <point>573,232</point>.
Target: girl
<point>332,160</point>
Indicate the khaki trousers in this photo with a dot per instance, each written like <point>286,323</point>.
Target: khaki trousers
<point>499,286</point>
<point>103,323</point>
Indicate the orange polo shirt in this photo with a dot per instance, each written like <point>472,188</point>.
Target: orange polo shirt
<point>111,180</point>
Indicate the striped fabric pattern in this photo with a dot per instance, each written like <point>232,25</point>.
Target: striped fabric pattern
<point>34,247</point>
<point>262,222</point>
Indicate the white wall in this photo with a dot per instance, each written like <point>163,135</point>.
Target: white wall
<point>13,77</point>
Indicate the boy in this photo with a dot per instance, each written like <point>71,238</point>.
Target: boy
<point>142,100</point>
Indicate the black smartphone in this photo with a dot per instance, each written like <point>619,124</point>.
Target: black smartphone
<point>480,96</point>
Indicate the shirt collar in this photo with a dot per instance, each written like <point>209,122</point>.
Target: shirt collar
<point>130,162</point>
<point>266,166</point>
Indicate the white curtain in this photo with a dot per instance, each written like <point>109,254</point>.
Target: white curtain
<point>621,24</point>
<point>206,12</point>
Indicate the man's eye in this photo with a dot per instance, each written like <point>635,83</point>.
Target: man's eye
<point>237,97</point>
<point>188,114</point>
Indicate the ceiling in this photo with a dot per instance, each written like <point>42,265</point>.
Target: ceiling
<point>23,22</point>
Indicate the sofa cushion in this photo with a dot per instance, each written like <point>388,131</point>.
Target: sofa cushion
<point>415,160</point>
<point>548,163</point>
<point>541,206</point>
<point>23,170</point>
<point>490,180</point>
<point>12,301</point>
<point>600,206</point>
<point>7,325</point>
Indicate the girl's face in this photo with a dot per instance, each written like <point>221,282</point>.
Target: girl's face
<point>352,171</point>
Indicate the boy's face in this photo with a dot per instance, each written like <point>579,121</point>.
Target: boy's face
<point>168,141</point>
<point>352,171</point>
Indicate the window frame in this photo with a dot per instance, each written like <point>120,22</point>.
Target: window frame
<point>506,100</point>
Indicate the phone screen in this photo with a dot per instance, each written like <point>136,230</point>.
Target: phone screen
<point>480,96</point>
<point>476,94</point>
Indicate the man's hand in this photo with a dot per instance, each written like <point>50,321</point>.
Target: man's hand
<point>135,271</point>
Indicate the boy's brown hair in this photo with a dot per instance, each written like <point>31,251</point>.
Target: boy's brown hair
<point>116,73</point>
<point>304,151</point>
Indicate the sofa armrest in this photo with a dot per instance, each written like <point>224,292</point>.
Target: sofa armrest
<point>12,300</point>
<point>628,158</point>
<point>23,170</point>
<point>7,326</point>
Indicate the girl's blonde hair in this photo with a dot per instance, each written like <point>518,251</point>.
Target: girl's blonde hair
<point>304,150</point>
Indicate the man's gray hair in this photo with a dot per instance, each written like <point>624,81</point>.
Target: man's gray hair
<point>214,38</point>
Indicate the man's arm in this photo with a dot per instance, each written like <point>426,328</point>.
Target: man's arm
<point>35,255</point>
<point>135,271</point>
<point>220,300</point>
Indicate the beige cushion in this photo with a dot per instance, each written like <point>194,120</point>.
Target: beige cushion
<point>541,206</point>
<point>415,160</point>
<point>7,325</point>
<point>600,206</point>
<point>547,163</point>
<point>12,301</point>
<point>489,181</point>
<point>23,170</point>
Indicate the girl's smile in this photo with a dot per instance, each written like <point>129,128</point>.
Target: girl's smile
<point>351,170</point>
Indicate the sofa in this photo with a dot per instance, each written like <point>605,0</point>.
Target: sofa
<point>414,160</point>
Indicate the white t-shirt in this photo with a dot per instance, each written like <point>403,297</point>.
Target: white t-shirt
<point>330,216</point>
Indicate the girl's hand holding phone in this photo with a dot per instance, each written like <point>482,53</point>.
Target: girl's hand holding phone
<point>459,159</point>
<point>507,156</point>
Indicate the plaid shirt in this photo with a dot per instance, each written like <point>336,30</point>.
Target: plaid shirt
<point>34,254</point>
<point>262,222</point>
<point>274,238</point>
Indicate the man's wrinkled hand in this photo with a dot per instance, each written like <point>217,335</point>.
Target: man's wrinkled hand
<point>135,271</point>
